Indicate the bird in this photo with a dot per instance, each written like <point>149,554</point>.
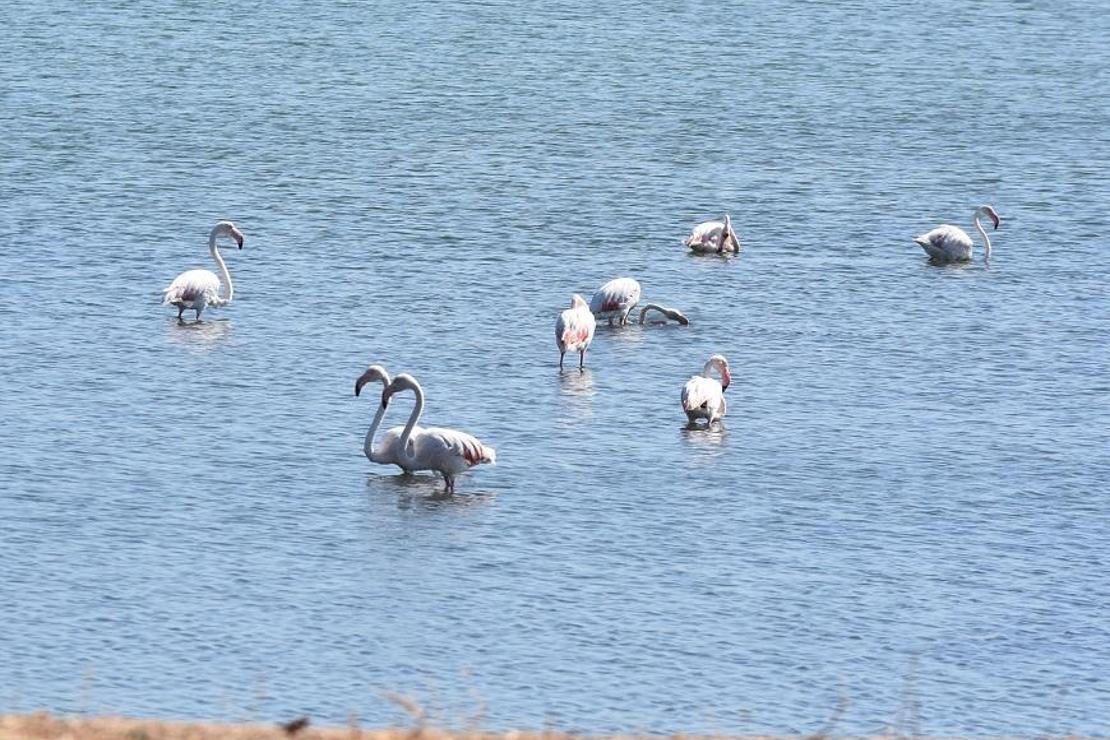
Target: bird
<point>703,396</point>
<point>670,313</point>
<point>948,243</point>
<point>615,300</point>
<point>198,289</point>
<point>386,452</point>
<point>713,237</point>
<point>574,330</point>
<point>447,451</point>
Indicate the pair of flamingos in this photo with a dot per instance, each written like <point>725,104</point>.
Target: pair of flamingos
<point>446,451</point>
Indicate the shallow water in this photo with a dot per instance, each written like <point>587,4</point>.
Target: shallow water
<point>901,525</point>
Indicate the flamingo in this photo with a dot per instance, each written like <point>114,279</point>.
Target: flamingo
<point>713,237</point>
<point>703,397</point>
<point>386,452</point>
<point>447,451</point>
<point>574,330</point>
<point>670,313</point>
<point>949,243</point>
<point>615,299</point>
<point>198,289</point>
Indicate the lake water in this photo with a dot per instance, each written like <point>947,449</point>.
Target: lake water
<point>901,526</point>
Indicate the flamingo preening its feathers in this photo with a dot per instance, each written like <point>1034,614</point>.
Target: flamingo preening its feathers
<point>198,289</point>
<point>703,396</point>
<point>948,243</point>
<point>615,300</point>
<point>447,451</point>
<point>574,330</point>
<point>714,237</point>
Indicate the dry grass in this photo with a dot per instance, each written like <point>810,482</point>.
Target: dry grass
<point>43,726</point>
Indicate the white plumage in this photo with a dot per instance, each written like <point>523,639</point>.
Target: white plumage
<point>713,237</point>
<point>574,330</point>
<point>385,453</point>
<point>703,396</point>
<point>447,451</point>
<point>199,289</point>
<point>615,300</point>
<point>948,243</point>
<point>670,313</point>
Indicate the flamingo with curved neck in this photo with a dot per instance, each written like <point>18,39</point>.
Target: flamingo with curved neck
<point>713,237</point>
<point>198,289</point>
<point>447,451</point>
<point>671,313</point>
<point>386,452</point>
<point>948,243</point>
<point>703,395</point>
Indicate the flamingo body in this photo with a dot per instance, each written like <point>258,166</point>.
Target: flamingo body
<point>574,330</point>
<point>713,237</point>
<point>703,396</point>
<point>948,243</point>
<point>615,300</point>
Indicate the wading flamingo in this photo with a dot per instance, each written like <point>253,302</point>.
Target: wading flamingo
<point>671,313</point>
<point>949,243</point>
<point>386,452</point>
<point>198,289</point>
<point>714,237</point>
<point>615,300</point>
<point>447,451</point>
<point>574,330</point>
<point>703,397</point>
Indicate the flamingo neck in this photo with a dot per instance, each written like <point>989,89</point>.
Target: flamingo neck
<point>986,239</point>
<point>650,307</point>
<point>368,444</point>
<point>225,276</point>
<point>417,410</point>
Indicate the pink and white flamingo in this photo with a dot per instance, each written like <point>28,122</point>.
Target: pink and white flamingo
<point>447,451</point>
<point>948,243</point>
<point>198,289</point>
<point>671,313</point>
<point>713,237</point>
<point>574,330</point>
<point>703,396</point>
<point>615,300</point>
<point>386,452</point>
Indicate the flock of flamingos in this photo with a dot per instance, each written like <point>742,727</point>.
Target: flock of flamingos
<point>449,451</point>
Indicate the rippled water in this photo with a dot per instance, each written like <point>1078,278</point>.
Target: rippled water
<point>902,524</point>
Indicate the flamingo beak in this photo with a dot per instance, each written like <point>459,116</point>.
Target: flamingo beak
<point>238,236</point>
<point>995,218</point>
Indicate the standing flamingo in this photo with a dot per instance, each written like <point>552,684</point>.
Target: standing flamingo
<point>615,300</point>
<point>447,451</point>
<point>703,397</point>
<point>948,243</point>
<point>197,289</point>
<point>713,237</point>
<point>386,452</point>
<point>671,313</point>
<point>574,330</point>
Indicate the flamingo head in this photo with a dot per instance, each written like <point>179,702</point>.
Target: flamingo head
<point>719,362</point>
<point>990,213</point>
<point>402,382</point>
<point>226,228</point>
<point>373,373</point>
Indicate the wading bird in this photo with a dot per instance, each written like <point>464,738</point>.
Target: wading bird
<point>948,243</point>
<point>714,237</point>
<point>198,289</point>
<point>615,300</point>
<point>703,396</point>
<point>386,452</point>
<point>574,330</point>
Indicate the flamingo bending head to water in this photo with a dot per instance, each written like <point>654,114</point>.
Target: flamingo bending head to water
<point>714,237</point>
<point>198,289</point>
<point>671,313</point>
<point>386,452</point>
<point>948,243</point>
<point>574,330</point>
<point>447,451</point>
<point>615,300</point>
<point>703,396</point>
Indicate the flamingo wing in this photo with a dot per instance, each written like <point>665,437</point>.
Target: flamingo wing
<point>192,285</point>
<point>453,450</point>
<point>615,295</point>
<point>707,233</point>
<point>946,242</point>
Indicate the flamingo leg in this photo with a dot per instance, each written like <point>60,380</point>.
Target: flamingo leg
<point>198,313</point>
<point>180,310</point>
<point>561,353</point>
<point>582,360</point>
